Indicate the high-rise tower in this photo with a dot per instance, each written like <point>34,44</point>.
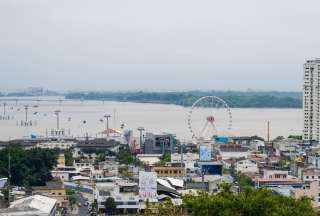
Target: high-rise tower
<point>311,101</point>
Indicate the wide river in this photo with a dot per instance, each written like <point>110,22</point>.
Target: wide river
<point>154,117</point>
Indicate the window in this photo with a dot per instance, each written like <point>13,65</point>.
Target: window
<point>307,177</point>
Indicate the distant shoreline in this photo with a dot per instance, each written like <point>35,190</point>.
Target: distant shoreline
<point>186,99</point>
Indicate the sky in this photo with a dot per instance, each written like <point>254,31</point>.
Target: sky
<point>157,45</point>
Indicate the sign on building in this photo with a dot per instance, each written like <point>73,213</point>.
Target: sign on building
<point>147,185</point>
<point>205,153</point>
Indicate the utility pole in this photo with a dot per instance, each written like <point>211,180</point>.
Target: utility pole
<point>181,152</point>
<point>26,110</point>
<point>268,132</point>
<point>4,109</point>
<point>9,175</point>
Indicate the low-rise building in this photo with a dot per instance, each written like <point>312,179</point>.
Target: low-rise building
<point>64,173</point>
<point>246,166</point>
<point>313,157</point>
<point>110,167</point>
<point>210,168</point>
<point>277,178</point>
<point>60,144</point>
<point>61,161</point>
<point>188,159</point>
<point>312,191</point>
<point>230,151</point>
<point>55,190</point>
<point>31,206</point>
<point>149,159</point>
<point>159,143</point>
<point>124,193</point>
<point>311,175</point>
<point>169,171</point>
<point>209,183</point>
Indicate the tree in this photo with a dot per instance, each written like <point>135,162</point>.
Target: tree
<point>28,167</point>
<point>243,181</point>
<point>252,202</point>
<point>124,172</point>
<point>110,206</point>
<point>166,208</point>
<point>94,208</point>
<point>71,198</point>
<point>165,158</point>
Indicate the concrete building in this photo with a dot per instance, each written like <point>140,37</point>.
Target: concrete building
<point>167,171</point>
<point>61,144</point>
<point>124,193</point>
<point>61,161</point>
<point>311,102</point>
<point>188,159</point>
<point>313,157</point>
<point>209,168</point>
<point>233,151</point>
<point>288,147</point>
<point>159,143</point>
<point>64,173</point>
<point>277,178</point>
<point>312,191</point>
<point>55,190</point>
<point>247,166</point>
<point>149,159</point>
<point>31,206</point>
<point>310,175</point>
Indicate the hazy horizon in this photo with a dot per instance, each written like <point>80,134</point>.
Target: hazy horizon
<point>150,45</point>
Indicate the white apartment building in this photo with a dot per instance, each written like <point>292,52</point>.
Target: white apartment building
<point>189,159</point>
<point>311,102</point>
<point>247,166</point>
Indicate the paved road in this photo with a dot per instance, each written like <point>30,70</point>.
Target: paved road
<point>82,210</point>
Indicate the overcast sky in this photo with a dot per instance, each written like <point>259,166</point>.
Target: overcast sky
<point>164,44</point>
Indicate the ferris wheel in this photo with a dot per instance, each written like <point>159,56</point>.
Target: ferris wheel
<point>209,117</point>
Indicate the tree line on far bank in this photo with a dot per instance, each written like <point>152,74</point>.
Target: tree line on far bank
<point>234,99</point>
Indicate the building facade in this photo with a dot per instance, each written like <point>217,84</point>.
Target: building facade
<point>311,101</point>
<point>159,143</point>
<point>167,171</point>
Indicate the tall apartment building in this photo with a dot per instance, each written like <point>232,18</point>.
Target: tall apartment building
<point>311,101</point>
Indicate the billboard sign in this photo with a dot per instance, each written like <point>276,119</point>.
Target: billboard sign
<point>205,153</point>
<point>147,186</point>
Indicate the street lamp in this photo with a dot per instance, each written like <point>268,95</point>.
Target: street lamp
<point>57,112</point>
<point>141,129</point>
<point>107,116</point>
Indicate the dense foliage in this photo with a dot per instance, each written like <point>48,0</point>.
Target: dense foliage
<point>110,206</point>
<point>28,167</point>
<point>234,99</point>
<point>250,202</point>
<point>71,198</point>
<point>243,181</point>
<point>124,156</point>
